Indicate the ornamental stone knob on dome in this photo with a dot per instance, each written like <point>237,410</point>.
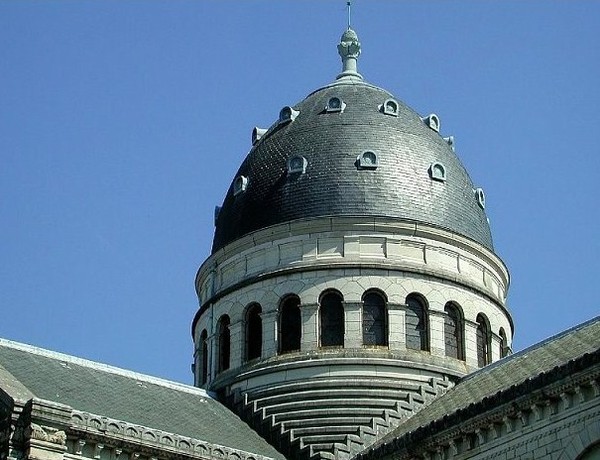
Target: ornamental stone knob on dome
<point>349,50</point>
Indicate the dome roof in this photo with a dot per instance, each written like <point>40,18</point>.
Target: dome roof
<point>327,136</point>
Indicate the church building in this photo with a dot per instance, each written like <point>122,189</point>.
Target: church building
<point>353,307</point>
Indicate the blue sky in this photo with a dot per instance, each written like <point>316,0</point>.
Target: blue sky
<point>123,122</point>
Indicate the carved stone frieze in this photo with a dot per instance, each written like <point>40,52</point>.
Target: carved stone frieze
<point>46,433</point>
<point>94,425</point>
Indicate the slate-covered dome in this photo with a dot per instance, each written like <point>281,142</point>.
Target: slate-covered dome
<point>327,133</point>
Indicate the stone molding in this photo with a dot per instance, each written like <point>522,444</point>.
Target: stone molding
<point>396,306</point>
<point>99,427</point>
<point>435,251</point>
<point>359,226</point>
<point>403,363</point>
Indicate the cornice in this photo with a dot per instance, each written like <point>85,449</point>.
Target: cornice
<point>368,358</point>
<point>354,226</point>
<point>139,438</point>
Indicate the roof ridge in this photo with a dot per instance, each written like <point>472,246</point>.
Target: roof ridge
<point>107,368</point>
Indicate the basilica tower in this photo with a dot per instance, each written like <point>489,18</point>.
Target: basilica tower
<point>352,278</point>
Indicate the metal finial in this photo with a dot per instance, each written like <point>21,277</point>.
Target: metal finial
<point>348,7</point>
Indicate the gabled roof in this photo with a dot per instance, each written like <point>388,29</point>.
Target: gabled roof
<point>544,363</point>
<point>87,386</point>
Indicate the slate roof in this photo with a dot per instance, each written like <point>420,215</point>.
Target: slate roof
<point>400,187</point>
<point>27,371</point>
<point>553,359</point>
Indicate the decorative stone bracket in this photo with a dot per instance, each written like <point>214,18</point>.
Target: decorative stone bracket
<point>44,442</point>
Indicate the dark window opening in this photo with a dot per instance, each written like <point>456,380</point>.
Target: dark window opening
<point>290,325</point>
<point>453,332</point>
<point>374,320</point>
<point>253,332</point>
<point>204,357</point>
<point>483,341</point>
<point>417,334</point>
<point>224,343</point>
<point>332,320</point>
<point>503,343</point>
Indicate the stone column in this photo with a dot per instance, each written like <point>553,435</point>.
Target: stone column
<point>471,343</point>
<point>436,333</point>
<point>352,324</point>
<point>269,333</point>
<point>197,364</point>
<point>495,344</point>
<point>396,326</point>
<point>237,344</point>
<point>211,348</point>
<point>310,328</point>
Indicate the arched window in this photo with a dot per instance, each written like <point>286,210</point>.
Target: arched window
<point>367,160</point>
<point>257,133</point>
<point>503,343</point>
<point>417,334</point>
<point>390,107</point>
<point>480,194</point>
<point>331,313</point>
<point>224,343</point>
<point>432,121</point>
<point>287,114</point>
<point>203,357</point>
<point>290,324</point>
<point>240,184</point>
<point>253,332</point>
<point>335,104</point>
<point>437,171</point>
<point>483,341</point>
<point>374,319</point>
<point>297,165</point>
<point>453,331</point>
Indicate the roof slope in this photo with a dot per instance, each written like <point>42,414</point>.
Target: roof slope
<point>124,395</point>
<point>538,362</point>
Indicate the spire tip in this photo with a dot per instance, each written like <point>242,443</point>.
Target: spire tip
<point>349,7</point>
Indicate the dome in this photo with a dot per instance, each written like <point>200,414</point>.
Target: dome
<point>352,149</point>
<point>352,278</point>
